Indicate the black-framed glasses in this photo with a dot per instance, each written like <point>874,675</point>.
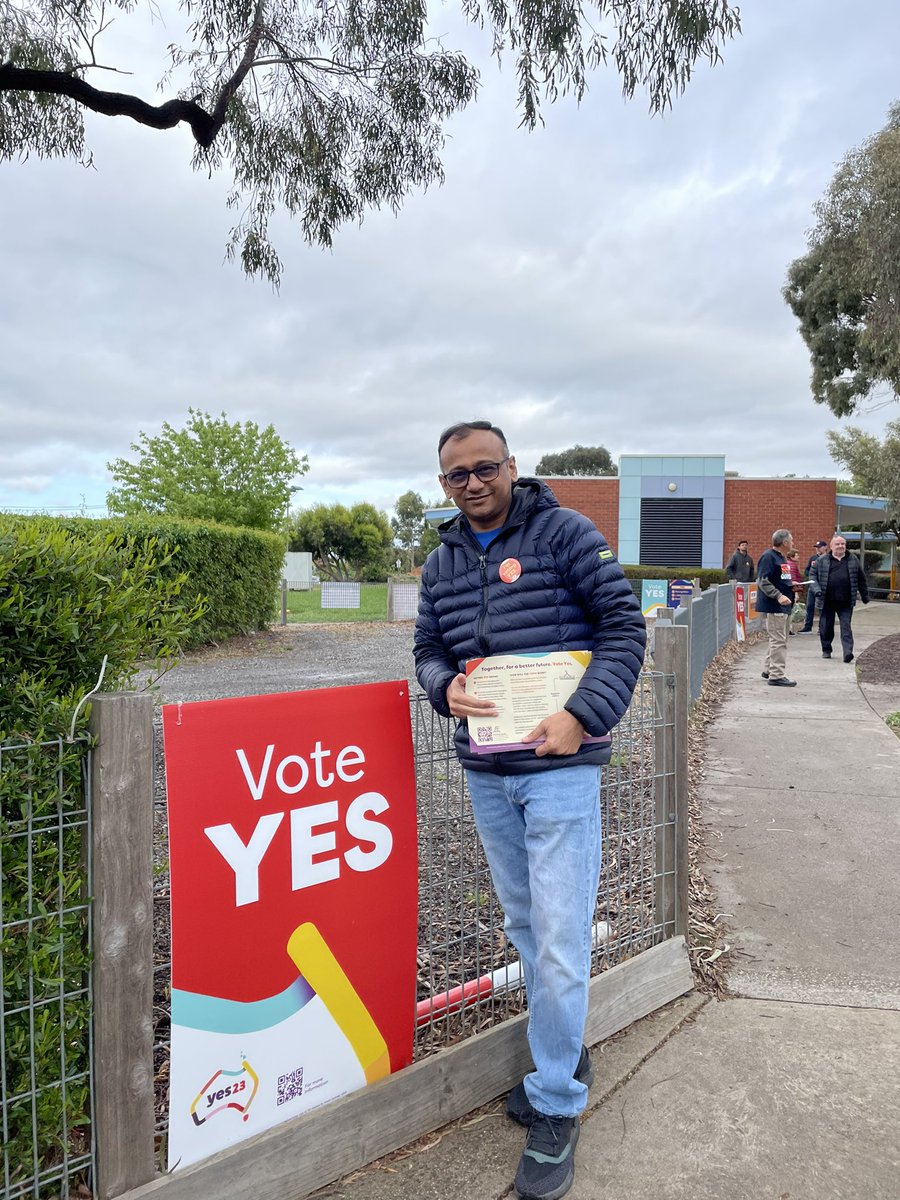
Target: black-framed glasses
<point>484,471</point>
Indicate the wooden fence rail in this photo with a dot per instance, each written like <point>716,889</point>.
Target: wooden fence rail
<point>347,1134</point>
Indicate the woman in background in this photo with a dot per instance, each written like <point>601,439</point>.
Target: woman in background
<point>793,561</point>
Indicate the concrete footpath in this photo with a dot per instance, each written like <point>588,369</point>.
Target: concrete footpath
<point>790,1089</point>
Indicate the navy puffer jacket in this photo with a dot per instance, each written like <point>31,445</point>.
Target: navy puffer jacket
<point>571,595</point>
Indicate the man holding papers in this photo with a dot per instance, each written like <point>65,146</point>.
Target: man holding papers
<point>516,584</point>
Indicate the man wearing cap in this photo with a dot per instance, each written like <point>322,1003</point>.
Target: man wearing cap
<point>817,553</point>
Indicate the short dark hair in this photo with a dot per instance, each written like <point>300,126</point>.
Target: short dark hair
<point>462,429</point>
<point>743,542</point>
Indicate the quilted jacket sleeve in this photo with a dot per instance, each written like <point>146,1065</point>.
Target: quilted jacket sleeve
<point>435,669</point>
<point>863,585</point>
<point>815,585</point>
<point>619,630</point>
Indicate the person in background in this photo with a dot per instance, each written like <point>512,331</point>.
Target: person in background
<point>739,567</point>
<point>839,581</point>
<point>818,550</point>
<point>796,582</point>
<point>775,598</point>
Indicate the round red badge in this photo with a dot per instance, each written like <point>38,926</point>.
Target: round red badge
<point>510,570</point>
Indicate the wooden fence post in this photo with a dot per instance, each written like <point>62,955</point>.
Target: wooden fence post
<point>122,886</point>
<point>673,690</point>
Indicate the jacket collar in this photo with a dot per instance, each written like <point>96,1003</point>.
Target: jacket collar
<point>528,496</point>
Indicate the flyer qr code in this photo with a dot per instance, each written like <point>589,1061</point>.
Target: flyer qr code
<point>290,1086</point>
<point>484,733</point>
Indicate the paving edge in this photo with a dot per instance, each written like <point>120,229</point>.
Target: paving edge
<point>477,1154</point>
<point>622,1055</point>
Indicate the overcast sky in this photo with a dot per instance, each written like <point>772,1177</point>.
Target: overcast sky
<point>611,278</point>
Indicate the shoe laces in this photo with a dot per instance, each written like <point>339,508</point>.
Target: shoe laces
<point>547,1134</point>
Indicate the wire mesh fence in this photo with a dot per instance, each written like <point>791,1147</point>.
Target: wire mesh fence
<point>468,977</point>
<point>45,969</point>
<point>710,620</point>
<point>467,974</point>
<point>725,619</point>
<point>704,636</point>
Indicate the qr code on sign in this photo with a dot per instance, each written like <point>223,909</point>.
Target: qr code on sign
<point>290,1086</point>
<point>484,733</point>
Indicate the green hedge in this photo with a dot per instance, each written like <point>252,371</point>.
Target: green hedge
<point>708,576</point>
<point>235,572</point>
<point>880,579</point>
<point>68,598</point>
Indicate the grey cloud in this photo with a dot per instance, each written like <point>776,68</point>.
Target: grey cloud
<point>608,278</point>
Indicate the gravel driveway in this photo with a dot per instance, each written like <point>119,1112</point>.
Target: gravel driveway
<point>293,657</point>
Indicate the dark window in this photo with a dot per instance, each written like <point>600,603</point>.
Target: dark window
<point>672,532</point>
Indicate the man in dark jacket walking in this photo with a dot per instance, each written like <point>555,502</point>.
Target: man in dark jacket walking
<point>517,574</point>
<point>739,567</point>
<point>775,598</point>
<point>838,580</point>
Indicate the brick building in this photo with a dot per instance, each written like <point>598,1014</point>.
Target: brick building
<point>680,511</point>
<point>670,510</point>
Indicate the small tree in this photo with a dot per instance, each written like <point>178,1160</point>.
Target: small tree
<point>412,533</point>
<point>578,460</point>
<point>844,290</point>
<point>874,464</point>
<point>430,539</point>
<point>214,470</point>
<point>346,543</point>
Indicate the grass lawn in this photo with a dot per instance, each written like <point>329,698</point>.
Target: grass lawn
<point>306,607</point>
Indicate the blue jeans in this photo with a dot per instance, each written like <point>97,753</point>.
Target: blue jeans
<point>541,835</point>
<point>810,610</point>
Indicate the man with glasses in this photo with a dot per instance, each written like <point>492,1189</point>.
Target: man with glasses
<point>517,574</point>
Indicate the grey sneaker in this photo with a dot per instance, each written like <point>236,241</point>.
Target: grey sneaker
<point>517,1104</point>
<point>547,1166</point>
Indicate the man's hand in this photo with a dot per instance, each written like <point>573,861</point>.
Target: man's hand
<point>461,704</point>
<point>563,733</point>
<point>785,600</point>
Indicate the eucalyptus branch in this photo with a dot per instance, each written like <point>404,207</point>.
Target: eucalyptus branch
<point>110,104</point>
<point>221,106</point>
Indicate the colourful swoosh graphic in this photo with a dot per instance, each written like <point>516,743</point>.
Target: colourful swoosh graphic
<point>313,958</point>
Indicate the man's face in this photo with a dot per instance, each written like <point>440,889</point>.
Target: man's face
<point>485,504</point>
<point>820,550</point>
<point>787,545</point>
<point>838,547</point>
<point>742,546</point>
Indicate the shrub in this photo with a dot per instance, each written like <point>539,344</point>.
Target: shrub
<point>881,580</point>
<point>67,599</point>
<point>234,572</point>
<point>708,576</point>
